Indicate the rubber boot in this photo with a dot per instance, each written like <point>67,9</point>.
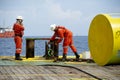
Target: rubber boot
<point>17,57</point>
<point>77,56</point>
<point>64,57</point>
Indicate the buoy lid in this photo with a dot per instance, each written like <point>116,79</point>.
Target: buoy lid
<point>100,39</point>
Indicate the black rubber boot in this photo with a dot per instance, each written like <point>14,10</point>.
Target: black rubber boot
<point>64,57</point>
<point>17,57</point>
<point>77,56</point>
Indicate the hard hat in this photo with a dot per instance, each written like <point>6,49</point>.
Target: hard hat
<point>19,17</point>
<point>52,27</point>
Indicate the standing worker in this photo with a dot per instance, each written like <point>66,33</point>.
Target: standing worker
<point>61,33</point>
<point>19,32</point>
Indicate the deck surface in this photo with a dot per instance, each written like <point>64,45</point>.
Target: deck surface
<point>40,69</point>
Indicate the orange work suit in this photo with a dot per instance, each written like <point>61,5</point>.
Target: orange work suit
<point>18,31</point>
<point>62,33</point>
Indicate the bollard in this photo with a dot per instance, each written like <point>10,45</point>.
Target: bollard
<point>104,39</point>
<point>54,46</point>
<point>56,49</point>
<point>29,48</point>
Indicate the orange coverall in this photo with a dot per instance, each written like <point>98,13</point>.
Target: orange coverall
<point>63,33</point>
<point>18,31</point>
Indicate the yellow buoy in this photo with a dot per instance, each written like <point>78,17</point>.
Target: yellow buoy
<point>104,39</point>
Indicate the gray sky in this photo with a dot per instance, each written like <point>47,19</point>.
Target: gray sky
<point>38,15</point>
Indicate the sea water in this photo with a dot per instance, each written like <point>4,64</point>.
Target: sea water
<point>7,46</point>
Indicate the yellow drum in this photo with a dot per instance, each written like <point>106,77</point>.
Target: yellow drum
<point>104,39</point>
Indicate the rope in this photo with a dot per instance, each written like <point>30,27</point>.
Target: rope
<point>73,68</point>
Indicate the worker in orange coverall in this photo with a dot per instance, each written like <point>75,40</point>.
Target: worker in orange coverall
<point>61,33</point>
<point>18,31</point>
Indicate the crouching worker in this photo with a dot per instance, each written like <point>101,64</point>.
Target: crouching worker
<point>61,33</point>
<point>18,31</point>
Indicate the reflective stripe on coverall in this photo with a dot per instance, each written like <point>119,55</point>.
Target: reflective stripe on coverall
<point>65,34</point>
<point>18,30</point>
<point>18,42</point>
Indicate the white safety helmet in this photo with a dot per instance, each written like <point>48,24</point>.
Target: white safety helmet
<point>52,27</point>
<point>19,17</point>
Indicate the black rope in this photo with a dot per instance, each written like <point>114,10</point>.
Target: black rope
<point>73,68</point>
